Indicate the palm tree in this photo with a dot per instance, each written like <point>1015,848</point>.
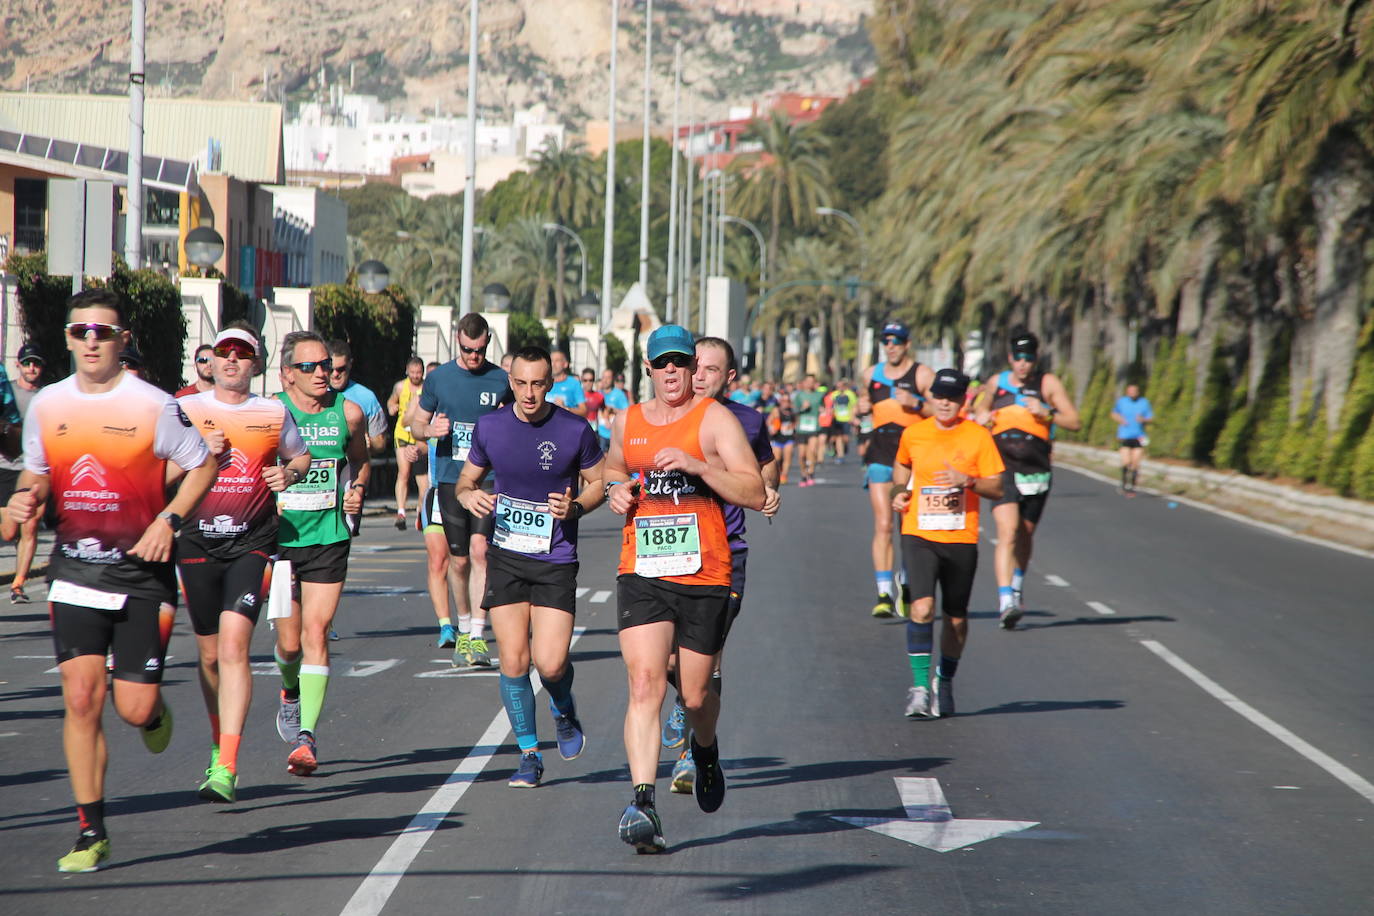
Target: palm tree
<point>564,188</point>
<point>520,259</point>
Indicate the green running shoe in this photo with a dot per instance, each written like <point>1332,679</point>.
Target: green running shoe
<point>157,737</point>
<point>478,654</point>
<point>88,855</point>
<point>462,652</point>
<point>221,785</point>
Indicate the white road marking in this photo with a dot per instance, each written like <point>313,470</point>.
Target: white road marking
<point>372,895</point>
<point>582,591</point>
<point>1101,609</point>
<point>367,669</point>
<point>930,822</point>
<point>600,597</point>
<point>1343,773</point>
<point>9,734</point>
<point>1056,581</point>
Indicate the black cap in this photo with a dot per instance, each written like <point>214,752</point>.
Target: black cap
<point>1025,343</point>
<point>950,384</point>
<point>29,351</point>
<point>131,357</point>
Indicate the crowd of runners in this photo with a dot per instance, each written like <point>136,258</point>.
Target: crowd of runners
<point>250,505</point>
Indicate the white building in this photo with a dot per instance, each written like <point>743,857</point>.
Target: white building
<point>310,227</point>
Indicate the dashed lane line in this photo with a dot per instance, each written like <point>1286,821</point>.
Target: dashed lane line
<point>1102,609</point>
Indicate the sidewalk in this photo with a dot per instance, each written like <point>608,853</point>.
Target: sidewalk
<point>1333,520</point>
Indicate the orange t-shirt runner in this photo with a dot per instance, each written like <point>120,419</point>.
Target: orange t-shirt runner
<point>676,531</point>
<point>947,515</point>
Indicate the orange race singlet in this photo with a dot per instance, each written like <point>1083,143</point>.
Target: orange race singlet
<point>676,531</point>
<point>1023,440</point>
<point>947,515</point>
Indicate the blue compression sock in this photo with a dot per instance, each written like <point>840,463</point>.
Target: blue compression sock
<point>517,695</point>
<point>560,693</point>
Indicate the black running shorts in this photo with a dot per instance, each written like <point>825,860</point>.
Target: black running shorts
<point>134,634</point>
<point>739,558</point>
<point>322,563</point>
<point>700,613</point>
<point>460,525</point>
<point>212,586</point>
<point>513,578</point>
<point>952,566</point>
<point>1032,507</point>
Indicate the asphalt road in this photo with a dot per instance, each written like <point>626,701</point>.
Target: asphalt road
<point>1186,715</point>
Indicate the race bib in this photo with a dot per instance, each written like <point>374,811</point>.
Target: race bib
<point>1032,484</point>
<point>521,525</point>
<point>63,592</point>
<point>866,423</point>
<point>809,423</point>
<point>462,440</point>
<point>940,509</point>
<point>667,545</point>
<point>316,491</point>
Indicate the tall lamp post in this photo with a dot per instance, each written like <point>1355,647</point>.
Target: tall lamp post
<point>373,276</point>
<point>582,249</point>
<point>861,351</point>
<point>644,155</point>
<point>609,237</point>
<point>470,185</point>
<point>763,270</point>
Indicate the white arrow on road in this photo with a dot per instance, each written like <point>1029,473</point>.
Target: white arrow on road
<point>929,821</point>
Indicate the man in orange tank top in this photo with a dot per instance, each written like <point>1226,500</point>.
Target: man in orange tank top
<point>674,460</point>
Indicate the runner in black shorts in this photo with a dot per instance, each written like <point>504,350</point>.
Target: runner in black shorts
<point>538,453</point>
<point>454,397</point>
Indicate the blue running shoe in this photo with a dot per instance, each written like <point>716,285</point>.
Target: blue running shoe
<point>675,729</point>
<point>530,771</point>
<point>641,828</point>
<point>568,730</point>
<point>684,774</point>
<point>448,636</point>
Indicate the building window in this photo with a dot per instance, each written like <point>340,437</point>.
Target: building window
<point>161,208</point>
<point>30,214</point>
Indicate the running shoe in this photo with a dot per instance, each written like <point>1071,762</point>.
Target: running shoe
<point>942,704</point>
<point>302,760</point>
<point>641,828</point>
<point>684,774</point>
<point>157,736</point>
<point>905,609</point>
<point>709,787</point>
<point>675,729</point>
<point>478,654</point>
<point>400,521</point>
<point>333,635</point>
<point>568,730</point>
<point>220,784</point>
<point>918,703</point>
<point>1018,598</point>
<point>530,771</point>
<point>448,636</point>
<point>1009,616</point>
<point>289,718</point>
<point>884,607</point>
<point>462,651</point>
<point>17,595</point>
<point>88,855</point>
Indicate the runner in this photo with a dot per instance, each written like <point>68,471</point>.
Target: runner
<point>98,443</point>
<point>341,380</point>
<point>807,402</point>
<point>687,455</point>
<point>842,403</point>
<point>595,399</point>
<point>25,386</point>
<point>782,427</point>
<point>943,465</point>
<point>540,455</point>
<point>1022,405</point>
<point>411,458</point>
<point>226,551</point>
<point>454,397</point>
<point>1131,413</point>
<point>443,574</point>
<point>204,379</point>
<point>615,400</point>
<point>314,537</point>
<point>893,398</point>
<point>567,390</point>
<point>716,367</point>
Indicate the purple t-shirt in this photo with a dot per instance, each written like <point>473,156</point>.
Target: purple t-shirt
<point>756,432</point>
<point>529,461</point>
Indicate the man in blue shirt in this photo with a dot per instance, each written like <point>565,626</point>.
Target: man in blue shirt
<point>454,396</point>
<point>567,390</point>
<point>615,401</point>
<point>1131,413</point>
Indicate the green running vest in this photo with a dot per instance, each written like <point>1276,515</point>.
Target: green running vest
<point>312,508</point>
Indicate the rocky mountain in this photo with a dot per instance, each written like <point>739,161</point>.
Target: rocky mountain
<point>413,53</point>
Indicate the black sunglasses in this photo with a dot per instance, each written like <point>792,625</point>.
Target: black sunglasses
<point>202,359</point>
<point>680,360</point>
<point>893,340</point>
<point>472,350</point>
<point>310,367</point>
<point>32,361</point>
<point>1024,357</point>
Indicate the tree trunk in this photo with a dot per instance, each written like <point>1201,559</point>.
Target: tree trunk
<point>1341,192</point>
<point>771,354</point>
<point>1083,347</point>
<point>836,338</point>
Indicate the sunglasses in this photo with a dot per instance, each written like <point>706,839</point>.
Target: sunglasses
<point>310,367</point>
<point>680,360</point>
<point>1024,357</point>
<point>893,341</point>
<point>31,362</point>
<point>202,360</point>
<point>241,350</point>
<point>339,368</point>
<point>79,329</point>
<point>473,350</point>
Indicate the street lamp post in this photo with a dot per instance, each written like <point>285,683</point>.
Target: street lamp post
<point>582,249</point>
<point>861,351</point>
<point>644,154</point>
<point>763,249</point>
<point>672,190</point>
<point>373,276</point>
<point>608,239</point>
<point>470,185</point>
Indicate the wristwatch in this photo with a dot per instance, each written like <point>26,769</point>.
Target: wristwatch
<point>173,520</point>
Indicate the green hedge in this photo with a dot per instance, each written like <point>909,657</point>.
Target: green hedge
<point>379,327</point>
